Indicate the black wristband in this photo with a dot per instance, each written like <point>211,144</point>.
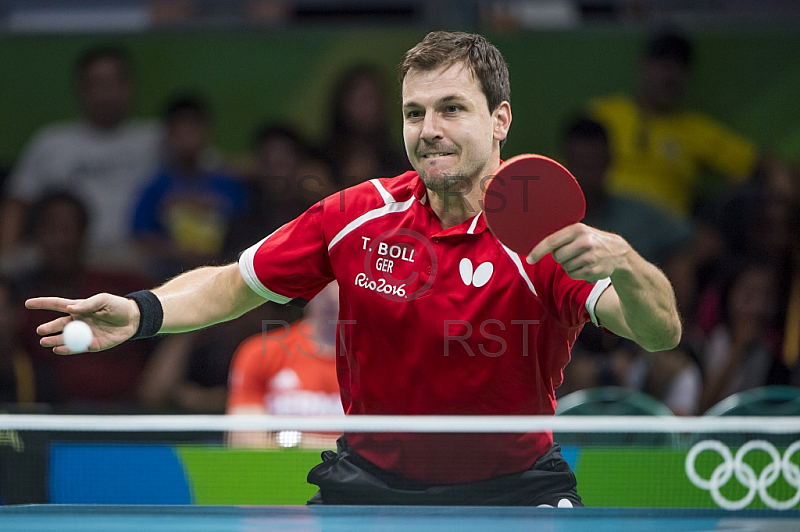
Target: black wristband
<point>151,313</point>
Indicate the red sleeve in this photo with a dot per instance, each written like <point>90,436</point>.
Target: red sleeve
<point>292,262</point>
<point>570,301</point>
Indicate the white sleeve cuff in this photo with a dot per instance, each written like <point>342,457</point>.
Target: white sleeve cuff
<point>248,271</point>
<point>591,301</point>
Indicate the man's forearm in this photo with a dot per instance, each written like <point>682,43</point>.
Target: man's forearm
<point>647,303</point>
<point>203,297</point>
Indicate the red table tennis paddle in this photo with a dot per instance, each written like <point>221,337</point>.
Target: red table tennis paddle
<point>529,198</point>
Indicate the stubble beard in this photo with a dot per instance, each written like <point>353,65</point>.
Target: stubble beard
<point>452,183</point>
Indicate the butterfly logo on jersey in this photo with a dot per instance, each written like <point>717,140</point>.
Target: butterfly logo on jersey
<point>476,277</point>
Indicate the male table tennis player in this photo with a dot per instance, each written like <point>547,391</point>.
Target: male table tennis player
<point>436,316</point>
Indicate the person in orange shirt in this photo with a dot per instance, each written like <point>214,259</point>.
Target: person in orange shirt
<point>289,371</point>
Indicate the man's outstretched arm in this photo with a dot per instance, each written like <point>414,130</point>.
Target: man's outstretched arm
<point>192,300</point>
<point>639,304</point>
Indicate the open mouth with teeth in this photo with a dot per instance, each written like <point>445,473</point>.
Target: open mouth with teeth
<point>435,155</point>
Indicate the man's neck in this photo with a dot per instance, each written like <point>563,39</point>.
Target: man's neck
<point>451,207</point>
<point>187,167</point>
<point>455,207</point>
<point>649,107</point>
<point>104,127</point>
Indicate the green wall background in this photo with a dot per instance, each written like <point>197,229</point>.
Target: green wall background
<point>748,80</point>
<point>631,476</point>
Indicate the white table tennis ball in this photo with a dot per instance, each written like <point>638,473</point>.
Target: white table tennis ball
<point>77,336</point>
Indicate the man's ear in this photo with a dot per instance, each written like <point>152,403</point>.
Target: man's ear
<point>501,118</point>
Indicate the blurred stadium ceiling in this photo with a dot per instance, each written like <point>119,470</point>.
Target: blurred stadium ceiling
<point>88,16</point>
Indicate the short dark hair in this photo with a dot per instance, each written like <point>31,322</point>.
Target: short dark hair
<point>281,131</point>
<point>187,104</point>
<point>445,48</point>
<point>585,128</point>
<point>732,271</point>
<point>347,80</point>
<point>51,198</point>
<point>670,44</point>
<point>92,55</point>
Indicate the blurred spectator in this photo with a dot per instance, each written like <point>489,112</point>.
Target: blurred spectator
<point>741,351</point>
<point>20,381</point>
<point>791,338</point>
<point>183,215</point>
<point>753,222</point>
<point>104,159</point>
<point>3,179</point>
<point>361,145</point>
<point>286,179</point>
<point>600,358</point>
<point>673,377</point>
<point>790,350</point>
<point>289,371</point>
<point>654,233</point>
<point>659,149</point>
<point>188,372</point>
<point>60,229</point>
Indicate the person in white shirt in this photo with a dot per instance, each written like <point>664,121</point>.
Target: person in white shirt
<point>104,158</point>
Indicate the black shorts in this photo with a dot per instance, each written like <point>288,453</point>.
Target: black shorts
<point>345,477</point>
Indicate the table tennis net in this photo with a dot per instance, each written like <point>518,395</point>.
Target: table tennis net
<point>666,462</point>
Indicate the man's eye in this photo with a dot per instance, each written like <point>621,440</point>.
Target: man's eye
<point>413,114</point>
<point>452,108</point>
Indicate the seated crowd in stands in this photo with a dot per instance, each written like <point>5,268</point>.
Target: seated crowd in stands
<point>112,203</point>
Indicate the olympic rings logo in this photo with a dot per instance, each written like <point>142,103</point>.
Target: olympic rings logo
<point>735,465</point>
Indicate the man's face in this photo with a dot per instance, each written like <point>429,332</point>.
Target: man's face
<point>450,135</point>
<point>588,159</point>
<point>104,92</point>
<point>187,137</point>
<point>60,236</point>
<point>664,83</point>
<point>363,106</point>
<point>278,156</point>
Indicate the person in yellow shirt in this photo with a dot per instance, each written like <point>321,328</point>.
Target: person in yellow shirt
<point>660,150</point>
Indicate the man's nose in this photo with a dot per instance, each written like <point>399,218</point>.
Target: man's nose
<point>431,127</point>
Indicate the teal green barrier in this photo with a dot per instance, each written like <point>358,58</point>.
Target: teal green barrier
<point>708,473</point>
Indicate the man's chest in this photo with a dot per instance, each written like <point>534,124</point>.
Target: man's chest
<point>409,269</point>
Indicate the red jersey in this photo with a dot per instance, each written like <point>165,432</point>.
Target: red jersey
<point>432,321</point>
